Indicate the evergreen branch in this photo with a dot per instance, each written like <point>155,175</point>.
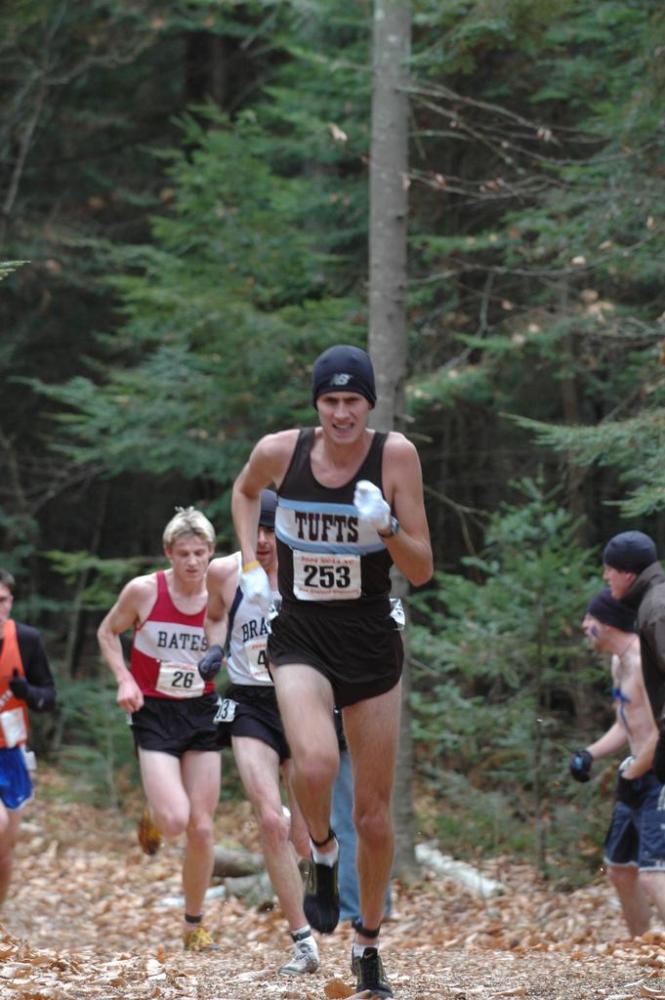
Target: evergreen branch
<point>7,266</point>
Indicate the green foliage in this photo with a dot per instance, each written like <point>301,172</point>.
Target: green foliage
<point>224,313</point>
<point>21,532</point>
<point>484,819</point>
<point>549,195</point>
<point>90,91</point>
<point>94,745</point>
<point>7,266</point>
<point>537,248</point>
<point>635,445</point>
<point>498,662</point>
<point>107,576</point>
<point>464,31</point>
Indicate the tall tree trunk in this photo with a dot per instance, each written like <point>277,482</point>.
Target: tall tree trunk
<point>389,164</point>
<point>207,66</point>
<point>387,302</point>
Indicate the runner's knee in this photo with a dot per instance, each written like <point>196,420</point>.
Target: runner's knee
<point>317,767</point>
<point>171,822</point>
<point>200,828</point>
<point>622,877</point>
<point>373,823</point>
<point>274,826</point>
<point>652,883</point>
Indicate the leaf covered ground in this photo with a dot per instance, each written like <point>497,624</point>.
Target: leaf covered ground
<point>86,919</point>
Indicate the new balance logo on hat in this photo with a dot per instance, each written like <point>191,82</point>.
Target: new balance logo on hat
<point>344,366</point>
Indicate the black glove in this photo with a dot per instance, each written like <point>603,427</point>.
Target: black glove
<point>20,688</point>
<point>659,756</point>
<point>580,765</point>
<point>626,788</point>
<point>210,664</point>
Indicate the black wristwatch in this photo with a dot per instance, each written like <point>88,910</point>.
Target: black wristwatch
<point>393,529</point>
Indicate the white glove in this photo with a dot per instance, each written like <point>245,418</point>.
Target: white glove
<point>255,585</point>
<point>625,763</point>
<point>372,508</point>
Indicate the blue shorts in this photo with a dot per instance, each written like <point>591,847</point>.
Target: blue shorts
<point>636,837</point>
<point>15,782</point>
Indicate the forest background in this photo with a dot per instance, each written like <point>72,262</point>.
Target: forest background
<point>184,213</point>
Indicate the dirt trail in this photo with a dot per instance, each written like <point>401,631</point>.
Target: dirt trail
<point>87,920</point>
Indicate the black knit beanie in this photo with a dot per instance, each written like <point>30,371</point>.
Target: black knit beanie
<point>631,551</point>
<point>344,369</point>
<point>609,611</point>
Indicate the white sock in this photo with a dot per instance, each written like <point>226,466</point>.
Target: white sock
<point>329,858</point>
<point>301,933</point>
<point>358,950</point>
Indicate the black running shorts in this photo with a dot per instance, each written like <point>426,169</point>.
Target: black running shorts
<point>175,726</point>
<point>360,654</point>
<point>256,715</point>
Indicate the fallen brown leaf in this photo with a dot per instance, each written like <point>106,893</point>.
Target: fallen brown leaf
<point>86,921</point>
<point>335,989</point>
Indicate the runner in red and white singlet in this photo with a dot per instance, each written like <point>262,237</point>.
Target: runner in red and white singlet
<point>171,709</point>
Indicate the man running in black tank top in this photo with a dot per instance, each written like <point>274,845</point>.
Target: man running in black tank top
<point>350,503</point>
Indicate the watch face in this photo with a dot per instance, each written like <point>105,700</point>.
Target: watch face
<point>393,528</point>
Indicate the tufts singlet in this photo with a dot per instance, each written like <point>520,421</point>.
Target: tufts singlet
<point>167,648</point>
<point>326,556</point>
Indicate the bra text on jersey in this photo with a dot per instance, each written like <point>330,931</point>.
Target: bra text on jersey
<point>252,629</point>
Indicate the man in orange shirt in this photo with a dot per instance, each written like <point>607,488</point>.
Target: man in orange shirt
<point>26,683</point>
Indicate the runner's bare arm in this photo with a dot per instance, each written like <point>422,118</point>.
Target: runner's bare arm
<point>266,466</point>
<point>410,548</point>
<point>219,582</point>
<point>610,742</point>
<point>135,598</point>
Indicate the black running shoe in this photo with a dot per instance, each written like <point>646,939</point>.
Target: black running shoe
<point>321,903</point>
<point>369,970</point>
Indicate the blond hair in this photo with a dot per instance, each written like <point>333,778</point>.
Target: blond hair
<point>188,521</point>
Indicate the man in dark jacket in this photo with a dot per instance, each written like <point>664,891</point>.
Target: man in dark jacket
<point>634,575</point>
<point>25,683</point>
